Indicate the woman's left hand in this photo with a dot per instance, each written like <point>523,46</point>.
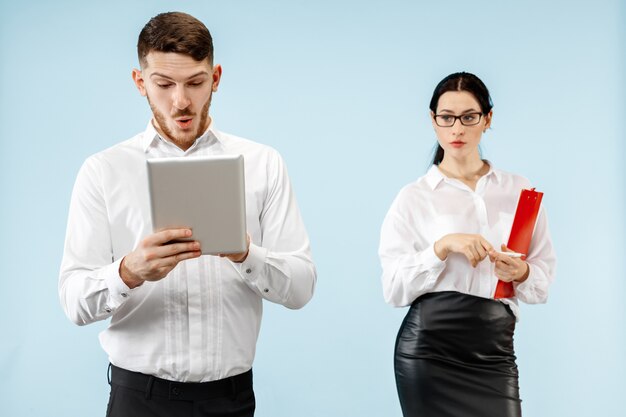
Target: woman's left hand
<point>508,268</point>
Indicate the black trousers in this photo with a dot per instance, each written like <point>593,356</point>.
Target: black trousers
<point>137,395</point>
<point>454,357</point>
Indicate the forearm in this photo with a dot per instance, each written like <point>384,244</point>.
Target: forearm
<point>286,278</point>
<point>406,277</point>
<point>88,295</point>
<point>534,289</point>
<point>541,263</point>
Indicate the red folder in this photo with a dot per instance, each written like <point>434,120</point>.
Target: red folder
<point>521,233</point>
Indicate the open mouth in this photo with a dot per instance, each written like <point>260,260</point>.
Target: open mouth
<point>184,123</point>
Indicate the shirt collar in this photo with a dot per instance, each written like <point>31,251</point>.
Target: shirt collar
<point>434,176</point>
<point>150,135</point>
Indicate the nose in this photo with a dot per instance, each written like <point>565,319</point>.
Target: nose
<point>181,99</point>
<point>457,129</point>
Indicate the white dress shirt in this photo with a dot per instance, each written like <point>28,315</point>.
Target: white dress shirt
<point>201,322</point>
<point>434,206</point>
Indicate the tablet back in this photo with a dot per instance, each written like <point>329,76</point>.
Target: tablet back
<point>206,194</point>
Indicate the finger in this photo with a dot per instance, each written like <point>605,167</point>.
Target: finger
<point>157,253</point>
<point>481,251</point>
<point>485,244</point>
<point>502,274</point>
<point>172,249</point>
<point>497,256</point>
<point>164,236</point>
<point>499,269</point>
<point>471,256</point>
<point>506,260</point>
<point>173,260</point>
<point>187,255</point>
<point>503,248</point>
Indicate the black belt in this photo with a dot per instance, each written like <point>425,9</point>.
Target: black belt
<point>185,391</point>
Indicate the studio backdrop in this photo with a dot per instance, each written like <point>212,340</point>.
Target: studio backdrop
<point>341,90</point>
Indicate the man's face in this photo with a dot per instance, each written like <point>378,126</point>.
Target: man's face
<point>179,90</point>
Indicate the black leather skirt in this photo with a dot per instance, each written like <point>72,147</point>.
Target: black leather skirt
<point>454,357</point>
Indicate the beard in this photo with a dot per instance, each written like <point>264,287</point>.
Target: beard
<point>185,139</point>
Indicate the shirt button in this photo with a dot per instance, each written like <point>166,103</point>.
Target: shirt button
<point>266,290</point>
<point>248,271</point>
<point>124,295</point>
<point>107,309</point>
<point>175,391</point>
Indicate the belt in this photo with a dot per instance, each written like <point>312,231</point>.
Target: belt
<point>184,391</point>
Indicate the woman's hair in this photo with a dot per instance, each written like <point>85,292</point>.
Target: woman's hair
<point>460,81</point>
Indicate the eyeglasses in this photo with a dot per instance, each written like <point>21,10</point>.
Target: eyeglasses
<point>467,119</point>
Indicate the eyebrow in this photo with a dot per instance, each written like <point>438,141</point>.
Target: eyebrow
<point>472,110</point>
<point>158,74</point>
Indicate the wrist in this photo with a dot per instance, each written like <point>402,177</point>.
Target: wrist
<point>242,257</point>
<point>525,276</point>
<point>130,279</point>
<point>440,250</point>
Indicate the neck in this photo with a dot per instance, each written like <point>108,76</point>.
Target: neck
<point>467,169</point>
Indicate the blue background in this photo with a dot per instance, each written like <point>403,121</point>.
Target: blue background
<point>341,89</point>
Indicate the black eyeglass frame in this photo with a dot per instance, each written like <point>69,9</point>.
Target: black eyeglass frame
<point>480,115</point>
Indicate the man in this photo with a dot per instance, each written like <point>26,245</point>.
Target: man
<point>183,328</point>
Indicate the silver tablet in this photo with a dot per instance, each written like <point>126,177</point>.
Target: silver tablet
<point>206,194</point>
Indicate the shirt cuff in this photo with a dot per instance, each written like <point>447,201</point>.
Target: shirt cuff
<point>272,287</point>
<point>254,263</point>
<point>431,259</point>
<point>119,292</point>
<point>527,291</point>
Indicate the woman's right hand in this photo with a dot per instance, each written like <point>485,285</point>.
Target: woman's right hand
<point>474,247</point>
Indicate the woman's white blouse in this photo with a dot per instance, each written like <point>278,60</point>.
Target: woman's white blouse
<point>434,206</point>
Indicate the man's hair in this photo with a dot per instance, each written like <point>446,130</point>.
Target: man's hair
<point>175,32</point>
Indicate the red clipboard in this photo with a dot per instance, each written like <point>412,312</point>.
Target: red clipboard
<point>521,233</point>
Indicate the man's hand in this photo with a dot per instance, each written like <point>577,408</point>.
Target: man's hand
<point>238,257</point>
<point>157,255</point>
<point>474,247</point>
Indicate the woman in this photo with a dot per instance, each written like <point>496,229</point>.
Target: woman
<point>454,353</point>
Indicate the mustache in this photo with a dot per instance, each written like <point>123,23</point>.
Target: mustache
<point>183,113</point>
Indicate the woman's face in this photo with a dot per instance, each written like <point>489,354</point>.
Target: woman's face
<point>459,141</point>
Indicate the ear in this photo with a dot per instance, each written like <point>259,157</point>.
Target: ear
<point>432,119</point>
<point>488,117</point>
<point>216,77</point>
<point>139,81</point>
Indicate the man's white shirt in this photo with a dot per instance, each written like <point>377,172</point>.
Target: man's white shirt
<point>201,322</point>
